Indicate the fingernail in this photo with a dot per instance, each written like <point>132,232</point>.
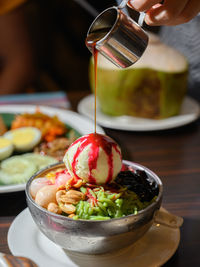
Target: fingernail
<point>161,16</point>
<point>148,20</point>
<point>130,3</point>
<point>134,4</point>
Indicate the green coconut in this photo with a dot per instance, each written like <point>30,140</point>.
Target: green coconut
<point>154,87</point>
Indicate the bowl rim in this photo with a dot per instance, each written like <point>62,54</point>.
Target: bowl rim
<point>62,217</point>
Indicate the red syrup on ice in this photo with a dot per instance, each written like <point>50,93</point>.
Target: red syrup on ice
<point>96,141</point>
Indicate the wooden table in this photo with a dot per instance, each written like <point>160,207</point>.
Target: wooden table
<point>175,156</point>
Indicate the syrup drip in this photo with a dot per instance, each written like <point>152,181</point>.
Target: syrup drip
<point>95,141</point>
<point>95,55</point>
<point>91,42</point>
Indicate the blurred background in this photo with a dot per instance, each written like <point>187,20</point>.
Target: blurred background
<point>48,38</point>
<point>42,44</point>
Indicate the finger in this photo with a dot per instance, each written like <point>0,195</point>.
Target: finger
<point>191,9</point>
<point>142,5</point>
<point>165,13</point>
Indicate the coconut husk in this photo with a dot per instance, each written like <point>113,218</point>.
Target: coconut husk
<point>154,87</point>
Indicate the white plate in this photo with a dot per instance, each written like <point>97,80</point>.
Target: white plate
<point>152,250</point>
<point>190,111</point>
<point>76,121</point>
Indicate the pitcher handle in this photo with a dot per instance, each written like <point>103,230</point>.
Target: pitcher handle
<point>123,4</point>
<point>141,16</point>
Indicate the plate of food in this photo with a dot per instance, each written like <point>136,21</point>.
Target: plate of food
<point>190,111</point>
<point>32,137</point>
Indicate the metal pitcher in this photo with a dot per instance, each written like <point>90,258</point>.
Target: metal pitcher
<point>117,37</point>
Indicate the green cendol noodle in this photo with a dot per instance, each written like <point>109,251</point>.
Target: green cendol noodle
<point>102,204</point>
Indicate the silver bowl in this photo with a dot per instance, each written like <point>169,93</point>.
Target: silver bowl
<point>93,237</point>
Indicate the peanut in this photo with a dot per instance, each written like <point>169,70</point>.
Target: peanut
<point>68,184</point>
<point>59,194</point>
<point>71,215</point>
<point>53,207</point>
<point>67,208</point>
<point>74,195</point>
<point>69,197</point>
<point>78,184</point>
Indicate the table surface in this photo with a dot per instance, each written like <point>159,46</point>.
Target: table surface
<point>174,155</point>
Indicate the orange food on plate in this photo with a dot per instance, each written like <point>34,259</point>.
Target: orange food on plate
<point>50,127</point>
<point>3,128</point>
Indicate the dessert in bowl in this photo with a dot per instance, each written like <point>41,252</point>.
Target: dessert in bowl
<point>103,213</point>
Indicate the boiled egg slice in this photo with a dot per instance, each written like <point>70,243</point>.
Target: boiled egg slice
<point>6,148</point>
<point>25,138</point>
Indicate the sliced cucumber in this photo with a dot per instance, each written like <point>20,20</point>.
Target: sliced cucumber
<point>16,170</point>
<point>39,160</point>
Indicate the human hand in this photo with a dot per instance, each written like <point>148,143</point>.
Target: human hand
<point>171,12</point>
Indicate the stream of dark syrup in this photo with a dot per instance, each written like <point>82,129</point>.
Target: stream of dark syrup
<point>91,42</point>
